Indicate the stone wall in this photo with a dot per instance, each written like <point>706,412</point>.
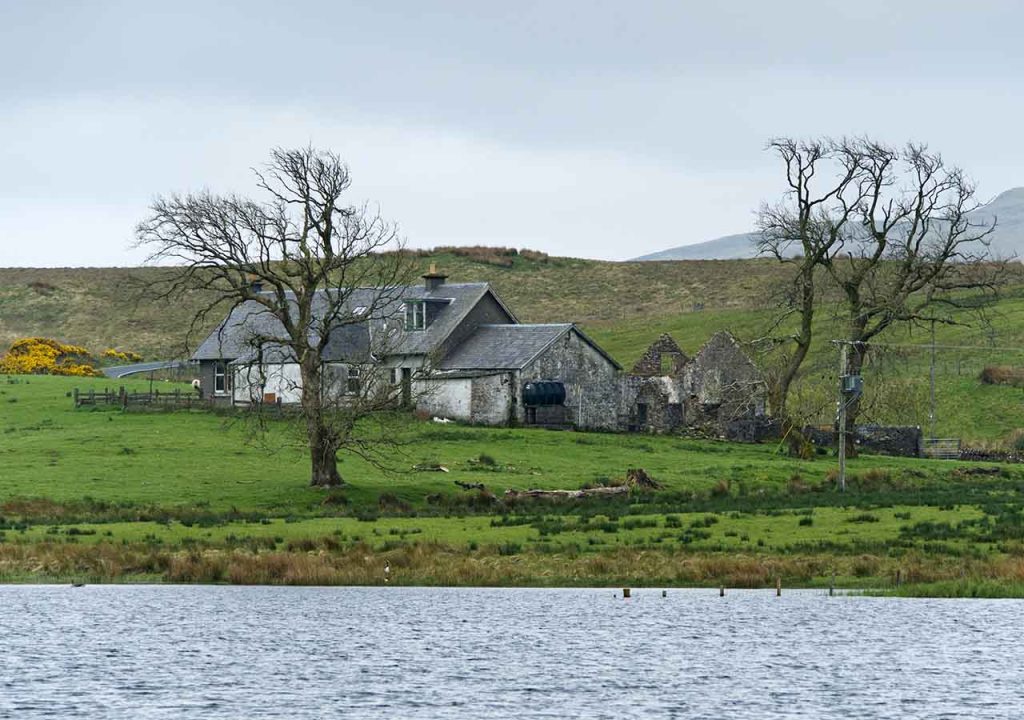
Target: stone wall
<point>591,381</point>
<point>719,391</point>
<point>901,440</point>
<point>493,399</point>
<point>722,384</point>
<point>663,357</point>
<point>650,404</point>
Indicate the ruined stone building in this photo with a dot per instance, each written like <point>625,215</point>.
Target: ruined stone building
<point>714,392</point>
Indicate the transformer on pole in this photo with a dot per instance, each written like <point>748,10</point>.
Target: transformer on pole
<point>851,387</point>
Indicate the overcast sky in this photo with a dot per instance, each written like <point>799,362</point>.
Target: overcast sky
<point>591,129</point>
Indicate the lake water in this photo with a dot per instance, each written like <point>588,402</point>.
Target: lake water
<point>275,652</point>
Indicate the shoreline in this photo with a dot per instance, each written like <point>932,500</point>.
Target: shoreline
<point>436,565</point>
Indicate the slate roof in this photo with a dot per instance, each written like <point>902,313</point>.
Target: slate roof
<point>509,347</point>
<point>234,337</point>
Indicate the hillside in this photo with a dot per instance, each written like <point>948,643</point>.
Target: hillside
<point>624,306</point>
<point>102,307</point>
<point>1006,211</point>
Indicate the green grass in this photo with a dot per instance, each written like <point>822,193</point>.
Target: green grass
<point>188,496</point>
<point>54,451</point>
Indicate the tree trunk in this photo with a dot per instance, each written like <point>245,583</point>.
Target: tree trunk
<point>324,462</point>
<point>323,441</point>
<point>792,427</point>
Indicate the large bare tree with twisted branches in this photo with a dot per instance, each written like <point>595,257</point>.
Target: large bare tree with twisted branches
<point>294,259</point>
<point>889,229</point>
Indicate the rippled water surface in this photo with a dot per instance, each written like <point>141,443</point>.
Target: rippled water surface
<point>261,652</point>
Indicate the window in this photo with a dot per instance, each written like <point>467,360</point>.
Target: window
<point>221,378</point>
<point>352,384</point>
<point>394,376</point>
<point>335,381</point>
<point>641,414</point>
<point>415,315</point>
<point>669,362</point>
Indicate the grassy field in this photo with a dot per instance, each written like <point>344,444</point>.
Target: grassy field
<point>103,495</point>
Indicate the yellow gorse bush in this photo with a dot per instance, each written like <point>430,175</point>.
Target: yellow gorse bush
<point>44,356</point>
<point>121,355</point>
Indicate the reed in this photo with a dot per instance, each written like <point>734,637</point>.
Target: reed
<point>428,563</point>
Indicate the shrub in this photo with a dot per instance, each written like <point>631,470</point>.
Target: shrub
<point>796,485</point>
<point>44,356</point>
<point>706,521</point>
<point>126,356</point>
<point>509,548</point>
<point>500,256</point>
<point>388,501</point>
<point>720,488</point>
<point>863,518</point>
<point>1002,375</point>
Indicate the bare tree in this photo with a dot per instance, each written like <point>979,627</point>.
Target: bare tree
<point>891,231</point>
<point>803,230</point>
<point>914,255</point>
<point>310,254</point>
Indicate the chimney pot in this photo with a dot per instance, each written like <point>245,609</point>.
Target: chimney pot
<point>434,279</point>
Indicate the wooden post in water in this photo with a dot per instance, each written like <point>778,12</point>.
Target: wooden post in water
<point>721,591</point>
<point>778,587</point>
<point>832,586</point>
<point>625,593</point>
<point>664,593</point>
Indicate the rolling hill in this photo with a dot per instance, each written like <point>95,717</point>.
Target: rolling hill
<point>1007,210</point>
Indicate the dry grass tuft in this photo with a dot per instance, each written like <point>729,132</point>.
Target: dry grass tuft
<point>1002,375</point>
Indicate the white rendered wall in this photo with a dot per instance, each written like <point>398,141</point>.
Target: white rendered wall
<point>283,380</point>
<point>451,398</point>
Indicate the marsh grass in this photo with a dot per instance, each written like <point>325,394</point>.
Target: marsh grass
<point>429,563</point>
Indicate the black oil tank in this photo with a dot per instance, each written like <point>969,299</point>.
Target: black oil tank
<point>543,393</point>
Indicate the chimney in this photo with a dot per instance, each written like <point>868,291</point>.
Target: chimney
<point>434,279</point>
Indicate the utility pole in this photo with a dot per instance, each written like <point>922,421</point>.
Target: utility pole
<point>931,415</point>
<point>843,349</point>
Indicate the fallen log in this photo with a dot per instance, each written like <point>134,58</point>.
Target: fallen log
<point>566,494</point>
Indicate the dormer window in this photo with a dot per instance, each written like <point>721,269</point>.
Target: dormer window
<point>415,315</point>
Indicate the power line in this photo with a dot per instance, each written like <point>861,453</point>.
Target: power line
<point>929,346</point>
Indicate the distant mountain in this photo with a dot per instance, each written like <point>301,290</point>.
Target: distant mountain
<point>1007,240</point>
<point>729,247</point>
